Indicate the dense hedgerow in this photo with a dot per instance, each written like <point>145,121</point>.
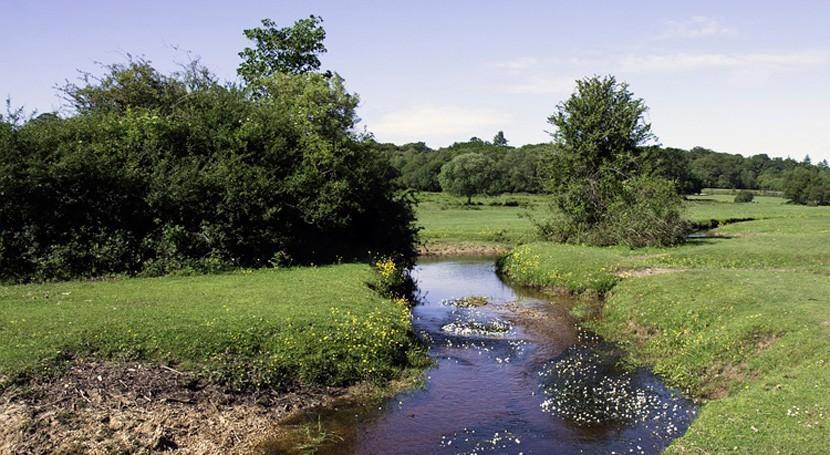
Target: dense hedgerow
<point>155,173</point>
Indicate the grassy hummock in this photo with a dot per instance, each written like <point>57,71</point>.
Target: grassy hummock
<point>740,322</point>
<point>249,329</point>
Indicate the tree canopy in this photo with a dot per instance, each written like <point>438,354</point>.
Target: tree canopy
<point>598,134</point>
<point>292,50</point>
<point>467,175</point>
<point>499,139</point>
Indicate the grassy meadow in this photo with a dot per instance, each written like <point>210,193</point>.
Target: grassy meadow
<point>249,329</point>
<point>741,322</point>
<point>506,218</point>
<point>446,219</point>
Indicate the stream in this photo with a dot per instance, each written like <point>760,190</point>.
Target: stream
<point>512,374</point>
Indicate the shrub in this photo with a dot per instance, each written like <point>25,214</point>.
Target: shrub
<point>744,196</point>
<point>647,212</point>
<point>155,174</point>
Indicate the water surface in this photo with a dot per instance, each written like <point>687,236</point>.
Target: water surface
<point>512,376</point>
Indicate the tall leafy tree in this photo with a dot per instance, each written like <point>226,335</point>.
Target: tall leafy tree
<point>601,193</point>
<point>467,175</point>
<point>294,50</point>
<point>598,135</point>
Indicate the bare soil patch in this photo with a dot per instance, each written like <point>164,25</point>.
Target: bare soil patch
<point>106,407</point>
<point>462,249</point>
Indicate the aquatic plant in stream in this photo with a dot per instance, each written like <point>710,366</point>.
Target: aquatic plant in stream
<point>472,301</point>
<point>585,385</point>
<point>468,442</point>
<point>492,327</point>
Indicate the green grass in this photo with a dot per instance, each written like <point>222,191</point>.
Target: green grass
<point>570,267</point>
<point>754,344</point>
<point>251,329</point>
<point>742,323</point>
<point>721,207</point>
<point>447,219</point>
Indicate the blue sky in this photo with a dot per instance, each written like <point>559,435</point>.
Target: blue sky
<point>736,76</point>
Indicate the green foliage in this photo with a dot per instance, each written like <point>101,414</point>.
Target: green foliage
<point>288,50</point>
<point>721,170</point>
<point>808,186</point>
<point>744,196</point>
<point>499,139</point>
<point>132,85</point>
<point>156,174</point>
<point>648,212</point>
<point>672,164</point>
<point>248,329</point>
<point>393,280</point>
<point>599,130</point>
<point>520,169</point>
<point>594,172</point>
<point>467,175</point>
<point>517,169</point>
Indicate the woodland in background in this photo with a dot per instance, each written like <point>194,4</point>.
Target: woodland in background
<point>518,169</point>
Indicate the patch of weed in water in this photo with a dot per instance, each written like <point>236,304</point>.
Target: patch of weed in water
<point>493,327</point>
<point>588,386</point>
<point>306,438</point>
<point>473,301</point>
<point>468,442</point>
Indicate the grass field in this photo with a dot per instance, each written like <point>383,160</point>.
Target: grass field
<point>492,219</point>
<point>250,329</point>
<point>741,323</point>
<point>506,219</point>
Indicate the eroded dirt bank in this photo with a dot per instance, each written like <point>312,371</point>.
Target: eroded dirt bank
<point>454,249</point>
<point>105,407</point>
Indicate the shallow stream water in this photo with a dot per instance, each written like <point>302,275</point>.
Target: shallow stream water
<point>514,375</point>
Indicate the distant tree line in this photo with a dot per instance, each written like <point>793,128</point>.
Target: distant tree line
<point>511,169</point>
<point>153,173</point>
<point>518,169</point>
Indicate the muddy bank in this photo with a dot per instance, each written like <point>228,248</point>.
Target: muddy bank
<point>441,249</point>
<point>105,407</point>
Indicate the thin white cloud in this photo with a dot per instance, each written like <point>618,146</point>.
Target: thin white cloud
<point>441,123</point>
<point>700,61</point>
<point>542,85</point>
<point>695,27</point>
<point>517,64</point>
